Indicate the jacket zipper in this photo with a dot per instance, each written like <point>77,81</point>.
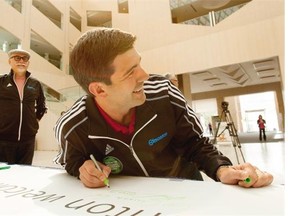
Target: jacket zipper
<point>21,107</point>
<point>131,145</point>
<point>132,149</point>
<point>20,123</point>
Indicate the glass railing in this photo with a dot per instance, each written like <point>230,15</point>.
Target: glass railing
<point>214,17</point>
<point>17,4</point>
<point>63,100</point>
<point>190,12</point>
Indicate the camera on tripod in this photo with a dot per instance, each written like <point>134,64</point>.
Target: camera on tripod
<point>224,105</point>
<point>231,129</point>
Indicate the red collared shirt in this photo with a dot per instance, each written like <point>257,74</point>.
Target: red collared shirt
<point>117,126</point>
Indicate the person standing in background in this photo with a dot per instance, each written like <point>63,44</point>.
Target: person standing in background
<point>22,105</point>
<point>261,124</point>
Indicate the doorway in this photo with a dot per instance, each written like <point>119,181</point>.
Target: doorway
<point>251,117</point>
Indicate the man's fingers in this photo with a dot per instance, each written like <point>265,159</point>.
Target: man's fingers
<point>90,176</point>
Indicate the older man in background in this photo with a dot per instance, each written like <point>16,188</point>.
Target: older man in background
<point>22,105</point>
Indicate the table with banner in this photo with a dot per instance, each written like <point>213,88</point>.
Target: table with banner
<point>30,190</point>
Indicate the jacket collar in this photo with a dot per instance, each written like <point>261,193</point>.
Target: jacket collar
<point>11,74</point>
<point>98,126</point>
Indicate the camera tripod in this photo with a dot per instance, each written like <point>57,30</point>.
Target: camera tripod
<point>232,131</point>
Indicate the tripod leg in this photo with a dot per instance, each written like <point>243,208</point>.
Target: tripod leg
<point>240,149</point>
<point>233,134</point>
<point>236,155</point>
<point>237,141</point>
<point>216,132</point>
<point>217,129</point>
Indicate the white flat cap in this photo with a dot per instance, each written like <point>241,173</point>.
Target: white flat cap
<point>21,51</point>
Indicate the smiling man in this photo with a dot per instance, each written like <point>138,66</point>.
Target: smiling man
<point>22,105</point>
<point>134,123</point>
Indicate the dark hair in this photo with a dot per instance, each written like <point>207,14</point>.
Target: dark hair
<point>92,57</point>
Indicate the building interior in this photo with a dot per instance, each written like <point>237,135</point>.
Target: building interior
<point>219,50</point>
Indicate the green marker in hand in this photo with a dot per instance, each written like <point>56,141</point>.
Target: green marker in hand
<point>106,180</point>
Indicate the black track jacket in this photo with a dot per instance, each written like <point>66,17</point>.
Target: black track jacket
<point>167,137</point>
<point>18,117</point>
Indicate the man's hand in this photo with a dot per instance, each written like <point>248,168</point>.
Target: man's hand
<point>92,177</point>
<point>238,173</point>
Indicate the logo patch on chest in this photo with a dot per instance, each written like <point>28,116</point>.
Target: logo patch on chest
<point>114,163</point>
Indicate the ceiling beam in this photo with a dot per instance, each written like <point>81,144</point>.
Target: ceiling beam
<point>274,86</point>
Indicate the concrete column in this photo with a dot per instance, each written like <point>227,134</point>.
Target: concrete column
<point>26,11</point>
<point>65,22</point>
<point>280,108</point>
<point>185,87</point>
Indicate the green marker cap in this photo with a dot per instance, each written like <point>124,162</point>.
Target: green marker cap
<point>247,180</point>
<point>106,182</point>
<point>4,167</point>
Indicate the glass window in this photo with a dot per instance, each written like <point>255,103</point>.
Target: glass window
<point>99,18</point>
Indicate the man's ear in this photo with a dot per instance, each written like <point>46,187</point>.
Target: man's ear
<point>96,88</point>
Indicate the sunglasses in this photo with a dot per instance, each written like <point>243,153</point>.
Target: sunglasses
<point>18,58</point>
